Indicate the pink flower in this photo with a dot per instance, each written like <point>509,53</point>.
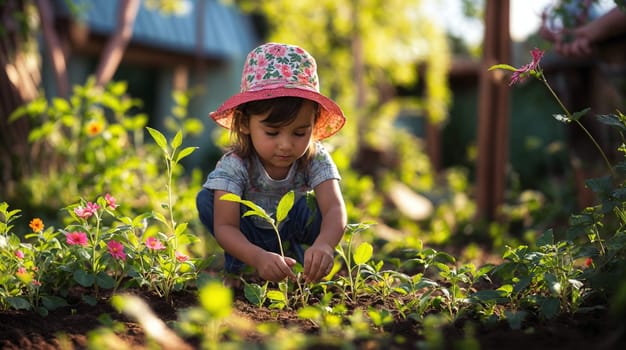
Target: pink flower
<point>76,238</point>
<point>522,73</point>
<point>262,61</point>
<point>285,70</point>
<point>36,283</point>
<point>110,201</point>
<point>21,271</point>
<point>181,257</point>
<point>278,50</point>
<point>154,244</point>
<point>89,209</point>
<point>116,249</point>
<point>19,254</point>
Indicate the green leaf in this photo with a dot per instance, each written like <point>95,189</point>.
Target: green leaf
<point>18,303</point>
<point>379,318</point>
<point>180,229</point>
<point>184,153</point>
<point>309,313</point>
<point>363,253</point>
<point>160,217</point>
<point>254,293</point>
<point>580,114</point>
<point>502,66</point>
<point>18,113</point>
<point>158,138</point>
<point>483,270</point>
<point>105,281</point>
<point>256,210</point>
<point>275,295</point>
<point>61,105</point>
<point>138,221</point>
<point>612,120</point>
<point>600,185</point>
<point>52,302</point>
<point>118,88</point>
<point>548,307</point>
<point>284,206</point>
<point>522,284</point>
<point>83,278</point>
<point>489,295</point>
<point>177,140</point>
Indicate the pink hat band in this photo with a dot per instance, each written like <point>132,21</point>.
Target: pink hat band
<point>278,70</point>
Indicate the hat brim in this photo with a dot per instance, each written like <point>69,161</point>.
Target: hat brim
<point>330,121</point>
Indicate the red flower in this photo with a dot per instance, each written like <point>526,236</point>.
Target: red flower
<point>76,238</point>
<point>116,249</point>
<point>589,262</point>
<point>522,73</point>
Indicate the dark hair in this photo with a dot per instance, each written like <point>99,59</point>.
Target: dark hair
<point>282,111</point>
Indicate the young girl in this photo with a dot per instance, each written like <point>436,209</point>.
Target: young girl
<point>277,121</point>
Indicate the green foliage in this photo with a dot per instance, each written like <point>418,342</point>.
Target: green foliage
<point>353,261</point>
<point>282,210</point>
<point>93,143</point>
<point>405,279</point>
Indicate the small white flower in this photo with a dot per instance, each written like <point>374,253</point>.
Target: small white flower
<point>562,118</point>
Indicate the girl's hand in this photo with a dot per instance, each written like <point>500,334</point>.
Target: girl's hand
<point>273,267</point>
<point>318,262</point>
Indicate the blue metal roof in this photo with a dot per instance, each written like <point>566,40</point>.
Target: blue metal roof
<point>225,33</point>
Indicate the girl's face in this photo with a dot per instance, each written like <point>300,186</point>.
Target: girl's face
<point>279,146</point>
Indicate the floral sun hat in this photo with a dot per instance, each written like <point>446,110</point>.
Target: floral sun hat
<point>279,70</point>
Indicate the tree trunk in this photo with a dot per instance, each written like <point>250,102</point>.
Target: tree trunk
<point>114,50</point>
<point>53,47</point>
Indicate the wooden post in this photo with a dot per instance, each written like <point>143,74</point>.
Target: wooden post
<point>493,112</point>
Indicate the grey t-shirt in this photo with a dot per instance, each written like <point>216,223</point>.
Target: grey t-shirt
<point>248,179</point>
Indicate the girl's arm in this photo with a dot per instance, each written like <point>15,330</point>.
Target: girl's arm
<point>319,258</point>
<point>270,266</point>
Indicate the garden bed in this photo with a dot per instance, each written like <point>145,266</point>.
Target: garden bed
<point>68,327</point>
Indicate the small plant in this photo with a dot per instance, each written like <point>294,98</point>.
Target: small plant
<point>168,267</point>
<point>353,261</point>
<point>546,280</point>
<point>278,299</point>
<point>284,206</point>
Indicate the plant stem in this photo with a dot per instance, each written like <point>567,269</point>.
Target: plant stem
<point>280,243</point>
<point>569,116</point>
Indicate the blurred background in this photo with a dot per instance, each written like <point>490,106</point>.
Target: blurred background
<point>436,148</point>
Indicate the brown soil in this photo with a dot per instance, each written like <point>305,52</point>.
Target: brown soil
<point>71,325</point>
